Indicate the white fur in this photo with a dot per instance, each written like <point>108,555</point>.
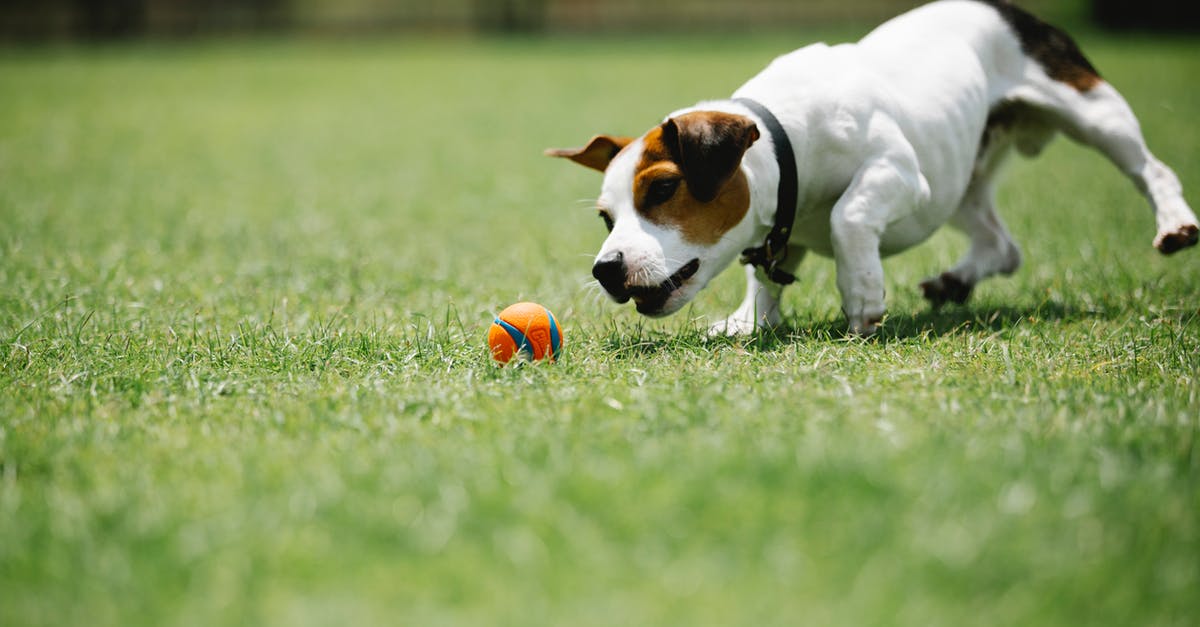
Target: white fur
<point>886,134</point>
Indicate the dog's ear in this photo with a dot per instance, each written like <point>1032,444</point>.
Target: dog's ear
<point>708,146</point>
<point>597,154</point>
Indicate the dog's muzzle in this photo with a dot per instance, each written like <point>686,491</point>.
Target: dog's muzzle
<point>612,274</point>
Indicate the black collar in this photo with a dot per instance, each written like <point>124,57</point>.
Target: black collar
<point>773,252</point>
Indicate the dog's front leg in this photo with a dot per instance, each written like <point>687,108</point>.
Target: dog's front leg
<point>760,307</point>
<point>883,190</point>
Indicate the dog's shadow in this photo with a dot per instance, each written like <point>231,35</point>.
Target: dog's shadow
<point>898,327</point>
<point>928,322</point>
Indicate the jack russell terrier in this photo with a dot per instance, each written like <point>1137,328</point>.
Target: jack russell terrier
<point>856,151</point>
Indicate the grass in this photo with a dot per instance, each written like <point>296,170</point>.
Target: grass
<point>243,294</point>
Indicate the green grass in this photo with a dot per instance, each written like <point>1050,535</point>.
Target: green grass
<point>244,289</point>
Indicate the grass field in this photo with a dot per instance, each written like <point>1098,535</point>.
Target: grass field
<point>243,293</point>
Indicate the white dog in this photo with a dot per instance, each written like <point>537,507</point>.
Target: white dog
<point>856,151</point>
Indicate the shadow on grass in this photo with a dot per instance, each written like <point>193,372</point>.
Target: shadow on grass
<point>949,320</point>
<point>898,327</point>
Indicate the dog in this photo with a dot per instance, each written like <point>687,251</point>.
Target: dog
<point>858,151</point>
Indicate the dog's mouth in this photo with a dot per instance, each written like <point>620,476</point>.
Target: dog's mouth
<point>650,299</point>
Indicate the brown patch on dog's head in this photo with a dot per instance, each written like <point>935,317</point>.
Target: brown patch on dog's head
<point>597,154</point>
<point>688,176</point>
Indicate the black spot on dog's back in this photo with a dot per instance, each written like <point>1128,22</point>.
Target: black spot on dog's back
<point>1053,49</point>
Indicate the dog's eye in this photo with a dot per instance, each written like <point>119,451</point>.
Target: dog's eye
<point>660,191</point>
<point>608,221</point>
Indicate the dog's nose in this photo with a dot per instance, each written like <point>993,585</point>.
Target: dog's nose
<point>610,272</point>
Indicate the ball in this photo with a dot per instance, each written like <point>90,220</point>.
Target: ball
<point>525,330</point>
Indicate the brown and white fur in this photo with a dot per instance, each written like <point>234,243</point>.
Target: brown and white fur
<point>894,136</point>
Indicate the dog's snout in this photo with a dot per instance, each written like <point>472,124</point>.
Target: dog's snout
<point>610,272</point>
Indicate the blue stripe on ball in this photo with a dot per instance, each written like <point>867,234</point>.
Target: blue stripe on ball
<point>518,338</point>
<point>555,337</point>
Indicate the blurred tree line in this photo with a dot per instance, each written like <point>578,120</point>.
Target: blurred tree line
<point>39,20</point>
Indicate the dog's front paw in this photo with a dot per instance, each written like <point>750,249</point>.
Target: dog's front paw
<point>867,319</point>
<point>944,288</point>
<point>732,327</point>
<point>865,326</point>
<point>1184,236</point>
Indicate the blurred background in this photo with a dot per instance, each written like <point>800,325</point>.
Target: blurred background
<point>64,20</point>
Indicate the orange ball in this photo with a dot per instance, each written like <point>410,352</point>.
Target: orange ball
<point>527,330</point>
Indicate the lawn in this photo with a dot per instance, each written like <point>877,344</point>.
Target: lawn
<point>244,290</point>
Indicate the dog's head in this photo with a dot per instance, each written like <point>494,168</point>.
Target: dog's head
<point>675,201</point>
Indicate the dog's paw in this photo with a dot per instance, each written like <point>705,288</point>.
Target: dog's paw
<point>732,326</point>
<point>945,288</point>
<point>866,320</point>
<point>864,326</point>
<point>1184,236</point>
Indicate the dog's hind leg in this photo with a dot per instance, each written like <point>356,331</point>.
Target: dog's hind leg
<point>1092,113</point>
<point>1059,81</point>
<point>992,249</point>
<point>1099,117</point>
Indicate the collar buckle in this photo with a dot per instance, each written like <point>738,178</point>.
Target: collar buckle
<point>774,250</point>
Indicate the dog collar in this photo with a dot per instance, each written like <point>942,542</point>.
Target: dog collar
<point>774,250</point>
